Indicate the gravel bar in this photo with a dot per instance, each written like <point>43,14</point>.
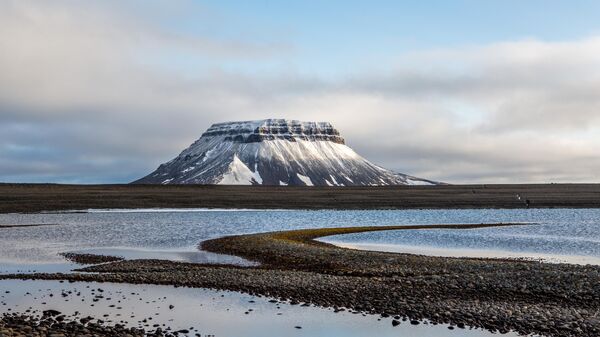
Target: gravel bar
<point>499,295</point>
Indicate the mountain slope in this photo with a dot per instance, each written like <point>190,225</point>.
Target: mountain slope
<point>274,152</point>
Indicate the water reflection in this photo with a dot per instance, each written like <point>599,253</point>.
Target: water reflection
<point>223,314</point>
<point>189,254</point>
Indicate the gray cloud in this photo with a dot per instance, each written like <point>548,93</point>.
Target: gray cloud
<point>93,96</point>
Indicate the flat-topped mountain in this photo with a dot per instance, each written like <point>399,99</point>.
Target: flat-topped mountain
<point>274,152</point>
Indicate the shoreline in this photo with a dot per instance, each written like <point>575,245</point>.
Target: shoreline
<point>54,323</point>
<point>35,198</point>
<point>530,297</point>
<point>468,252</point>
<point>26,225</point>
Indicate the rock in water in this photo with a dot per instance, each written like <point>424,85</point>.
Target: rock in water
<point>274,152</point>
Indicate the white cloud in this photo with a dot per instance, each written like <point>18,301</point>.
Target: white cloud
<point>91,95</point>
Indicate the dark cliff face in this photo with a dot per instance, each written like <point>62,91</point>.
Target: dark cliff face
<point>271,129</point>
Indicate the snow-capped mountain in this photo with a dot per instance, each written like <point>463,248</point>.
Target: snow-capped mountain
<point>274,152</point>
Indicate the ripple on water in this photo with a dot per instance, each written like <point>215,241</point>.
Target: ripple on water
<point>174,234</point>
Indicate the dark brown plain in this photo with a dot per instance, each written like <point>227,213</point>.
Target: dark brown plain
<point>53,197</point>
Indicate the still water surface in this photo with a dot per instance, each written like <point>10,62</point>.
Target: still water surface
<point>205,312</point>
<point>571,235</point>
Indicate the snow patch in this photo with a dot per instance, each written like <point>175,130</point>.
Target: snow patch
<point>207,154</point>
<point>239,174</point>
<point>306,180</point>
<point>335,181</point>
<point>188,169</point>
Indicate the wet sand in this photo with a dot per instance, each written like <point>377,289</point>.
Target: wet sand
<point>52,197</point>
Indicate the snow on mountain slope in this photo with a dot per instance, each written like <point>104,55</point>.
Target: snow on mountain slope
<point>274,152</point>
<point>239,174</point>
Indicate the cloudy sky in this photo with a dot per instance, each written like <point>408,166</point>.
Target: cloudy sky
<point>458,91</point>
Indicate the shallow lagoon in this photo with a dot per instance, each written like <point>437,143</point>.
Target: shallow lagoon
<point>208,312</point>
<point>175,234</point>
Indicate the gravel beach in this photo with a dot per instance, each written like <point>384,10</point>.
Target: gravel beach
<point>53,323</point>
<point>497,295</point>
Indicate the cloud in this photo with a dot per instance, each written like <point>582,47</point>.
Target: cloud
<point>105,94</point>
<point>95,83</point>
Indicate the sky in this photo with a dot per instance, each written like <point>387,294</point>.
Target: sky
<point>494,91</point>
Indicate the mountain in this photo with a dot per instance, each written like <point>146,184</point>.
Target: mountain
<point>274,152</point>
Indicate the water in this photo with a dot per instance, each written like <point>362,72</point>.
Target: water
<point>175,234</point>
<point>208,312</point>
<point>553,235</point>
